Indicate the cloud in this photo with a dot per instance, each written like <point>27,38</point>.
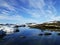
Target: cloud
<point>7,15</point>
<point>38,10</point>
<point>41,9</point>
<point>37,3</point>
<point>16,19</point>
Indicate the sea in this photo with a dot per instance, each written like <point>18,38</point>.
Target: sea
<point>31,36</point>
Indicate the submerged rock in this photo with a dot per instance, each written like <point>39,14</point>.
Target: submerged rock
<point>16,30</point>
<point>47,33</point>
<point>2,33</point>
<point>22,37</point>
<point>58,33</point>
<point>40,34</point>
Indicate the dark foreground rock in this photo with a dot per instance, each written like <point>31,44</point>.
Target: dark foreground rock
<point>2,34</point>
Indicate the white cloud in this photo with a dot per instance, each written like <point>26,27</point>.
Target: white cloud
<point>5,4</point>
<point>16,18</point>
<point>9,6</point>
<point>39,10</point>
<point>37,3</point>
<point>42,10</point>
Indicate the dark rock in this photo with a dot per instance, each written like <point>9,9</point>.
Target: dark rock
<point>40,34</point>
<point>47,34</point>
<point>2,33</point>
<point>58,33</point>
<point>17,30</point>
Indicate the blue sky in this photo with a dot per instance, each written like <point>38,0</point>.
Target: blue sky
<point>25,11</point>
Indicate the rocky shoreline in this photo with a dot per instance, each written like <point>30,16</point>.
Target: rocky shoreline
<point>52,26</point>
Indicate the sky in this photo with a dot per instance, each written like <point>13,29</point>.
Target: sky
<point>29,11</point>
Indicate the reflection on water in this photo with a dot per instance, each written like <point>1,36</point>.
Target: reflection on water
<point>27,36</point>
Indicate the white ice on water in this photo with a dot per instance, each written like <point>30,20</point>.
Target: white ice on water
<point>7,29</point>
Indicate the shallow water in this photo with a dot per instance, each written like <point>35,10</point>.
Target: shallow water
<point>31,36</point>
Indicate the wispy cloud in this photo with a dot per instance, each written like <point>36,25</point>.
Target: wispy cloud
<point>38,10</point>
<point>42,10</point>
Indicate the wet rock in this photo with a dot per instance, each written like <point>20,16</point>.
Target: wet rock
<point>47,33</point>
<point>58,33</point>
<point>2,34</point>
<point>40,34</point>
<point>17,30</point>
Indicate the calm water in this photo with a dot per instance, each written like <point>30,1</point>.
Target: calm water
<point>28,36</point>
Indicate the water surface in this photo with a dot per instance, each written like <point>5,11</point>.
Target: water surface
<point>31,36</point>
